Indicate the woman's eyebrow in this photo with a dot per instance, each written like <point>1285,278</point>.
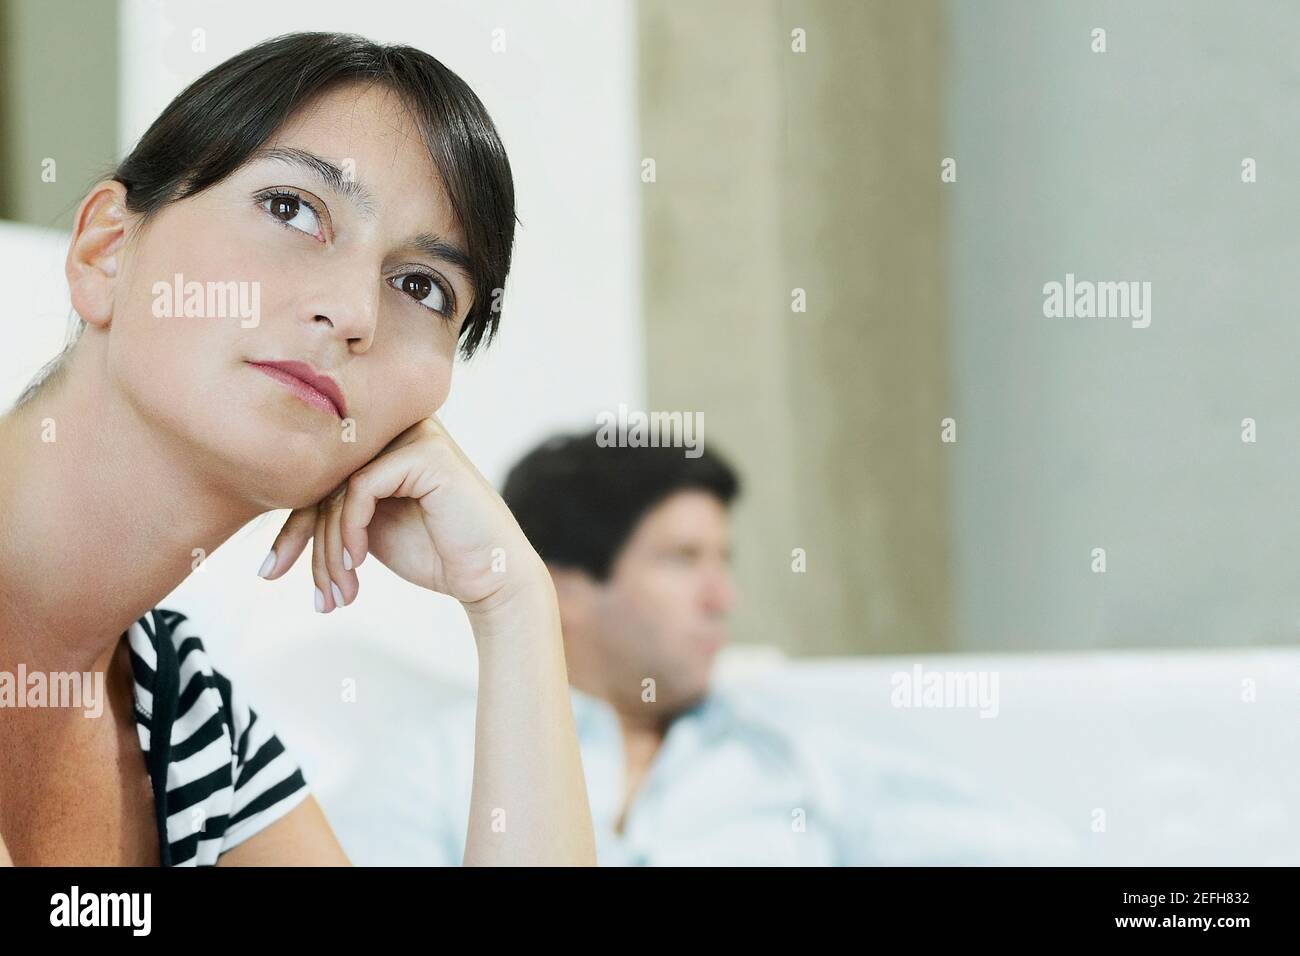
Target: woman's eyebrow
<point>426,243</point>
<point>324,170</point>
<point>435,247</point>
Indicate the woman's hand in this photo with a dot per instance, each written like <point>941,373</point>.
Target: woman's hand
<point>424,511</point>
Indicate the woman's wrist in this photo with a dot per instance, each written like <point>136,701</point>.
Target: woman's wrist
<point>524,607</point>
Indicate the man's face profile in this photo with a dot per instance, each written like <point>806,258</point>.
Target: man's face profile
<point>662,613</point>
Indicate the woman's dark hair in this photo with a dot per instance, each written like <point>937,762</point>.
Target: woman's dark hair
<point>579,501</point>
<point>216,124</point>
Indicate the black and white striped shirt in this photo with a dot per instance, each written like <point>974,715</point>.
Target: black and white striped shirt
<point>219,773</point>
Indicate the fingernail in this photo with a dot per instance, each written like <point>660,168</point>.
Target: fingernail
<point>338,595</point>
<point>320,601</point>
<point>347,560</point>
<point>267,565</point>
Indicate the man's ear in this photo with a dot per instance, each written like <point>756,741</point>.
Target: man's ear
<point>94,256</point>
<point>575,593</point>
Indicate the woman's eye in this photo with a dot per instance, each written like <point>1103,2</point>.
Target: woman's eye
<point>422,289</point>
<point>293,212</point>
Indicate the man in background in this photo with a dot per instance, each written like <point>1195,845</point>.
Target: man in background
<point>679,771</point>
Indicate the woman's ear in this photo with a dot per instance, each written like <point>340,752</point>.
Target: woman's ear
<point>94,256</point>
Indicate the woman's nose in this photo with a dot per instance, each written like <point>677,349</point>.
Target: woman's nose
<point>349,307</point>
<point>355,331</point>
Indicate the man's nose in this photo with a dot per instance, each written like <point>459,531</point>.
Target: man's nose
<point>720,591</point>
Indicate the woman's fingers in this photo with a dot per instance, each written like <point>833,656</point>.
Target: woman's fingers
<point>395,475</point>
<point>293,537</point>
<point>354,518</point>
<point>324,597</point>
<point>343,580</point>
<point>339,524</point>
<point>332,571</point>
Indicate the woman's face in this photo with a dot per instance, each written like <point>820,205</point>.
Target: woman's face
<point>348,277</point>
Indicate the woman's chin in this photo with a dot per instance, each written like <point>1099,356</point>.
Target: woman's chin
<point>282,479</point>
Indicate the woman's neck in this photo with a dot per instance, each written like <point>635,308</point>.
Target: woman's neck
<point>101,516</point>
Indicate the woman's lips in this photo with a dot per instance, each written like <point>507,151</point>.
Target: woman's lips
<point>310,386</point>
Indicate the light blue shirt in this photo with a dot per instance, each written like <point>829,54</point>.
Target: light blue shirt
<point>735,782</point>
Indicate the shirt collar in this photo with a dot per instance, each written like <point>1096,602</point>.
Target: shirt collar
<point>711,715</point>
<point>590,711</point>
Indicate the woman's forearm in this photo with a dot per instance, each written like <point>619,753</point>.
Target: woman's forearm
<point>529,800</point>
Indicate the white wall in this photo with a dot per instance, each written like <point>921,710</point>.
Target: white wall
<point>38,311</point>
<point>563,97</point>
<point>1084,433</point>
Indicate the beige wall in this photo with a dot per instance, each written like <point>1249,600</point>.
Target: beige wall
<point>59,67</point>
<point>817,170</point>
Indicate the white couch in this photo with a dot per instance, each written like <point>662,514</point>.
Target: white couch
<point>1190,756</point>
